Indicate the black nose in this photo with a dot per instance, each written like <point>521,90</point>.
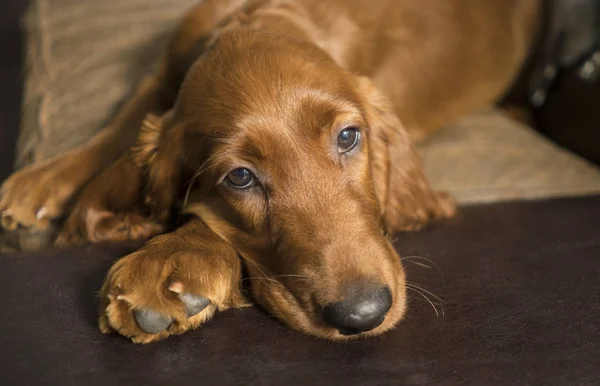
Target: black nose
<point>363,311</point>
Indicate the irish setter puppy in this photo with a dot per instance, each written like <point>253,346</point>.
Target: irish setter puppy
<point>282,131</point>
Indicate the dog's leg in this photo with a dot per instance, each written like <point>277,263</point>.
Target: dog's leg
<point>34,196</point>
<point>39,193</point>
<point>112,206</point>
<point>173,284</point>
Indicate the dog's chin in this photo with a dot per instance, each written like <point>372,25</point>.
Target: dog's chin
<point>335,335</point>
<point>304,317</point>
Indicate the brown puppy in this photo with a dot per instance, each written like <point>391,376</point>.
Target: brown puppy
<point>284,141</point>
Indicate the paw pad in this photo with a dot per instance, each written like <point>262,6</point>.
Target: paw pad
<point>153,322</point>
<point>194,304</point>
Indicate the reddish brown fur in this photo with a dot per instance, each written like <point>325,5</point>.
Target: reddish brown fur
<point>272,85</point>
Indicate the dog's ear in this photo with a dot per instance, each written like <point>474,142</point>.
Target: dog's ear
<point>407,200</point>
<point>158,153</point>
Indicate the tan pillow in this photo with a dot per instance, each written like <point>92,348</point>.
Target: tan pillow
<point>84,57</point>
<point>487,157</point>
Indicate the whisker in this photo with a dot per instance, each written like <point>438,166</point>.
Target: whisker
<point>201,169</point>
<point>416,257</point>
<point>428,300</point>
<point>259,278</point>
<point>293,275</point>
<point>272,278</point>
<point>256,265</point>
<point>409,284</point>
<point>260,268</point>
<point>419,264</point>
<point>416,298</point>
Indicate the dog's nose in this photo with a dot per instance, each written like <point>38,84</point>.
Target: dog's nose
<point>361,312</point>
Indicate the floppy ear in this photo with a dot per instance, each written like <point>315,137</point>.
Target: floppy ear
<point>407,200</point>
<point>159,154</point>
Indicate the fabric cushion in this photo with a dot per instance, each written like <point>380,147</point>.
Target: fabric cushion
<point>85,57</point>
<point>487,157</point>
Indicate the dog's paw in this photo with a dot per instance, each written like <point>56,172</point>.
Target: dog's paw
<point>441,206</point>
<point>34,196</point>
<point>167,288</point>
<point>91,225</point>
<point>111,208</point>
<point>445,207</point>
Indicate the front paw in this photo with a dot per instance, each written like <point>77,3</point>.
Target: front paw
<point>415,215</point>
<point>111,208</point>
<point>95,225</point>
<point>34,196</point>
<point>167,288</point>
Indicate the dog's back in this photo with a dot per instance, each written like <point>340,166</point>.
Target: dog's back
<point>434,59</point>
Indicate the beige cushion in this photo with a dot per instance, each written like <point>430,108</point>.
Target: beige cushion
<point>487,157</point>
<point>83,58</point>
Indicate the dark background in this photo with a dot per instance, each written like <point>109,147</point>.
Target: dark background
<point>11,80</point>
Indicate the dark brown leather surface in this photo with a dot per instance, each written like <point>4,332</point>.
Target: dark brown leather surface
<point>521,284</point>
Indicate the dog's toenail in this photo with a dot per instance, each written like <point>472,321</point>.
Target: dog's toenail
<point>123,298</point>
<point>151,321</point>
<point>41,214</point>
<point>176,287</point>
<point>194,304</point>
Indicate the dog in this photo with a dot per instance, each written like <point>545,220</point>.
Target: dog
<point>280,134</point>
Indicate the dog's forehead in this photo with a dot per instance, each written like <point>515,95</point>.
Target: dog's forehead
<point>306,119</point>
<point>258,73</point>
<point>263,139</point>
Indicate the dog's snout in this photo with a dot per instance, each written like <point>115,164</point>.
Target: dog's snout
<point>363,311</point>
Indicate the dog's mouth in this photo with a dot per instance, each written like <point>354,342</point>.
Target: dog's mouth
<point>357,324</point>
<point>368,314</point>
<point>351,324</point>
<point>357,315</point>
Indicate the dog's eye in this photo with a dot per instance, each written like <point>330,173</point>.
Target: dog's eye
<point>348,139</point>
<point>240,178</point>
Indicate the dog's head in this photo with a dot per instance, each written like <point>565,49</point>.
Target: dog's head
<point>303,168</point>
